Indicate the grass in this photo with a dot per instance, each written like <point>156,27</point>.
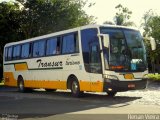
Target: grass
<point>2,83</point>
<point>155,77</point>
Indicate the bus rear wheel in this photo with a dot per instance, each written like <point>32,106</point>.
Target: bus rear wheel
<point>75,89</point>
<point>20,85</point>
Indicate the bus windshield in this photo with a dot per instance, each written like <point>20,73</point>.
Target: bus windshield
<point>126,51</point>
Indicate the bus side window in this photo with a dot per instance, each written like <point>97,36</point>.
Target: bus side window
<point>25,50</point>
<point>6,54</point>
<point>88,38</point>
<point>95,61</point>
<point>70,43</point>
<point>51,46</point>
<point>16,52</point>
<point>39,48</point>
<point>10,53</point>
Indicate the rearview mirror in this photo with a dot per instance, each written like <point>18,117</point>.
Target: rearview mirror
<point>105,39</point>
<point>153,44</point>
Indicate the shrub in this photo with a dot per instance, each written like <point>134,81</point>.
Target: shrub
<point>155,77</point>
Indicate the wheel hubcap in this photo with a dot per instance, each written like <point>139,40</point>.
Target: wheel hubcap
<point>21,85</point>
<point>74,87</point>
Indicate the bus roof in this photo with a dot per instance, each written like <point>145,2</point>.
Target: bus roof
<point>65,32</point>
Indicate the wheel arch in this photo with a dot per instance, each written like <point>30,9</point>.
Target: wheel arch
<point>20,77</point>
<point>70,79</point>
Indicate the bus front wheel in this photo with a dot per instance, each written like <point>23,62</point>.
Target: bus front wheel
<point>75,89</point>
<point>111,93</point>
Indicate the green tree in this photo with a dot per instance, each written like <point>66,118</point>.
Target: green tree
<point>108,22</point>
<point>29,18</point>
<point>122,16</point>
<point>24,19</point>
<point>47,16</point>
<point>154,32</point>
<point>151,30</point>
<point>146,23</point>
<point>9,24</point>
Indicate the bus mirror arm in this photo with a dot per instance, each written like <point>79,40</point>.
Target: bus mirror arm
<point>105,39</point>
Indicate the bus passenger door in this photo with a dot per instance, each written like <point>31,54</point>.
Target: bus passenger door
<point>95,68</point>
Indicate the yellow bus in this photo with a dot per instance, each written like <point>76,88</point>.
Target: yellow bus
<point>94,58</point>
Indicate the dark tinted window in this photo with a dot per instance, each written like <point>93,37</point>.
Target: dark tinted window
<point>70,43</point>
<point>95,59</point>
<point>6,53</point>
<point>25,50</point>
<point>52,47</point>
<point>16,52</point>
<point>10,53</point>
<point>39,48</point>
<point>89,42</point>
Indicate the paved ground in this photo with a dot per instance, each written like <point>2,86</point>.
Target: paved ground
<point>61,105</point>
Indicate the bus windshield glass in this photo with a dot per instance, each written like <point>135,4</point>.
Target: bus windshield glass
<point>126,51</point>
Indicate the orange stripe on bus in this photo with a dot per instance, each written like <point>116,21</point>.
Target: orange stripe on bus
<point>21,66</point>
<point>91,86</point>
<point>45,84</point>
<point>9,79</point>
<point>84,85</point>
<point>97,86</point>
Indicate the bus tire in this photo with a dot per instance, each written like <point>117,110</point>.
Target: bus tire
<point>20,85</point>
<point>50,90</point>
<point>75,89</point>
<point>111,93</point>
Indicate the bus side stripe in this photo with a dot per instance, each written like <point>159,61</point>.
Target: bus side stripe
<point>46,84</point>
<point>53,84</point>
<point>45,68</point>
<point>21,66</point>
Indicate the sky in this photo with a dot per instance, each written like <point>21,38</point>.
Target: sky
<point>105,9</point>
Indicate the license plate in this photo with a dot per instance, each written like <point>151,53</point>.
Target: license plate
<point>129,76</point>
<point>131,86</point>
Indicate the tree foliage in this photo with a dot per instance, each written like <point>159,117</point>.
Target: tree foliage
<point>109,23</point>
<point>9,24</point>
<point>151,30</point>
<point>47,16</point>
<point>146,23</point>
<point>29,18</point>
<point>24,19</point>
<point>122,16</point>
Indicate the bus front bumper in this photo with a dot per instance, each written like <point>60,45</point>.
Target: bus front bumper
<point>120,86</point>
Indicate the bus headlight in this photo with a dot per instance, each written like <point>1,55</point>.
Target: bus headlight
<point>111,77</point>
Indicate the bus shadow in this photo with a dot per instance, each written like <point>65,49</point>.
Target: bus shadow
<point>40,104</point>
<point>90,97</point>
<point>69,104</point>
